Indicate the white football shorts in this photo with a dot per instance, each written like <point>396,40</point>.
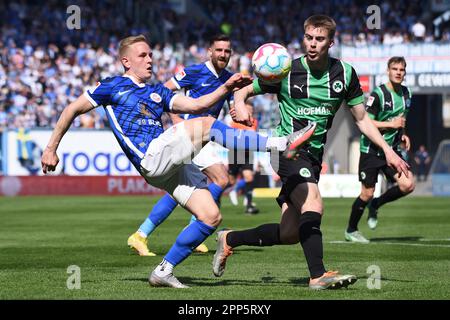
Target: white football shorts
<point>209,155</point>
<point>167,164</point>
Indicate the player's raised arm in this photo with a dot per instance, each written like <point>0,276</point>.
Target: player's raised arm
<point>50,159</point>
<point>368,128</point>
<point>183,104</point>
<point>240,113</point>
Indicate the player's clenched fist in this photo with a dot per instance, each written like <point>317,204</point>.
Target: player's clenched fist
<point>238,81</point>
<point>49,160</point>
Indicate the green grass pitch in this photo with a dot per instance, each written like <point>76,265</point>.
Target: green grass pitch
<point>40,237</point>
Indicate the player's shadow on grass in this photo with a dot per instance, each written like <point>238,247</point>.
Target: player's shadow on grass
<point>405,239</point>
<point>365,277</point>
<point>215,282</point>
<point>303,282</point>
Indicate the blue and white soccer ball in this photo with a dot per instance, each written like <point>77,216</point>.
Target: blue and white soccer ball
<point>271,62</point>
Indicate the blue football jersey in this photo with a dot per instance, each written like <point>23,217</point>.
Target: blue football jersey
<point>134,112</point>
<point>201,79</point>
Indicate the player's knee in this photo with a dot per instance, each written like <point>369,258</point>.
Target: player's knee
<point>366,195</point>
<point>217,220</point>
<point>289,236</point>
<point>407,187</point>
<point>213,218</point>
<point>222,181</point>
<point>315,206</point>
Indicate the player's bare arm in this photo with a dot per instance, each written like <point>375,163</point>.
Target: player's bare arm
<point>183,104</point>
<point>240,112</point>
<point>50,159</point>
<point>395,123</point>
<point>367,127</point>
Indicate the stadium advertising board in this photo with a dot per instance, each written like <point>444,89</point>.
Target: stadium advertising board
<point>420,82</point>
<point>75,185</point>
<point>421,58</point>
<point>81,152</point>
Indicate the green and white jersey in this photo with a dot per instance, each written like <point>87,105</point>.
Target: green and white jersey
<point>384,104</point>
<point>306,95</point>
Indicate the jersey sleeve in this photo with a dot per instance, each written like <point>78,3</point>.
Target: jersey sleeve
<point>354,93</point>
<point>167,98</point>
<point>263,87</point>
<point>185,78</point>
<point>373,105</point>
<point>101,94</point>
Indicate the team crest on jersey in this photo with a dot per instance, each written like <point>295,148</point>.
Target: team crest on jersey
<point>180,75</point>
<point>305,173</point>
<point>155,97</point>
<point>370,101</point>
<point>337,86</point>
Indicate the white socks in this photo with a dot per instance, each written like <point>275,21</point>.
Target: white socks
<point>164,268</point>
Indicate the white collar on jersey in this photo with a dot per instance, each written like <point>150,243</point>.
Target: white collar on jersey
<point>211,68</point>
<point>134,80</point>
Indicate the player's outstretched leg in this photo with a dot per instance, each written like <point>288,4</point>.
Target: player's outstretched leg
<point>237,139</point>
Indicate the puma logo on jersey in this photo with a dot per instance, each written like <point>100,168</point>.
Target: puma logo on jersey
<point>299,88</point>
<point>388,103</point>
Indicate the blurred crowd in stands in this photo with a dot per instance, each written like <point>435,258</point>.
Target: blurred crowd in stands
<point>44,65</point>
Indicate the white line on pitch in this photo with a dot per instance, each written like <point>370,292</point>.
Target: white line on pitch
<point>396,243</point>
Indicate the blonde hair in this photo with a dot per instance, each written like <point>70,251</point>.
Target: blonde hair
<point>321,21</point>
<point>125,43</point>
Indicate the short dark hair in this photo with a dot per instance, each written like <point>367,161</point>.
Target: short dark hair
<point>396,60</point>
<point>218,37</point>
<point>321,21</point>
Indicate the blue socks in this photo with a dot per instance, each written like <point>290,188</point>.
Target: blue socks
<point>236,139</point>
<point>165,206</point>
<point>162,209</point>
<point>188,240</point>
<point>216,191</point>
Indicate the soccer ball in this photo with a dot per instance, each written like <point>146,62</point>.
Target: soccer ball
<point>271,62</point>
